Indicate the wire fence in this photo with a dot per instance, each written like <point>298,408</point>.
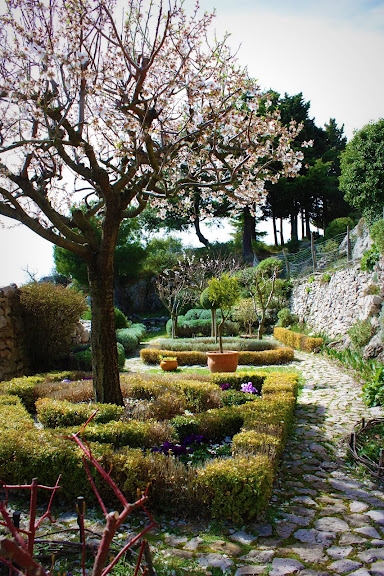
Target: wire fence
<point>319,255</point>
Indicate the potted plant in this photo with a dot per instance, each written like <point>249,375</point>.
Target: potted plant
<point>168,363</point>
<point>223,293</point>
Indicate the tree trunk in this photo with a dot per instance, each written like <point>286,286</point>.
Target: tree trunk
<point>307,225</point>
<point>105,369</point>
<point>199,234</point>
<point>174,325</point>
<point>294,233</point>
<point>213,323</point>
<point>281,232</point>
<point>249,234</point>
<point>260,330</point>
<point>275,231</point>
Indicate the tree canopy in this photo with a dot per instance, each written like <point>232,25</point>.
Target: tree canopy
<point>362,171</point>
<point>112,112</point>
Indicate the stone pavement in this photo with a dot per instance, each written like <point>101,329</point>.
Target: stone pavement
<point>325,519</point>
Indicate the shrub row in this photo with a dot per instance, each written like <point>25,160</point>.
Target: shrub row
<point>297,340</point>
<point>236,488</point>
<point>55,413</point>
<point>190,328</point>
<point>28,388</point>
<point>208,344</point>
<point>278,356</point>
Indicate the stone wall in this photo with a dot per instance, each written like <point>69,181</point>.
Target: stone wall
<point>333,306</point>
<point>12,359</point>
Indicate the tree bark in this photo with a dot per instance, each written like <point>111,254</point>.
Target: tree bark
<point>105,369</point>
<point>294,233</point>
<point>199,234</point>
<point>274,230</point>
<point>249,234</point>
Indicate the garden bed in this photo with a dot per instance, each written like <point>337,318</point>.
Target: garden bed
<point>231,430</point>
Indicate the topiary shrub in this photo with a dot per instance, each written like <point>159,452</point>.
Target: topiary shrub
<point>50,316</point>
<point>237,488</point>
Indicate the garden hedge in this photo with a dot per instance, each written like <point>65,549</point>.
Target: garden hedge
<point>266,357</point>
<point>236,488</point>
<point>297,340</point>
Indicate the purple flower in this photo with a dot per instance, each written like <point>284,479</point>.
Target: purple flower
<point>225,386</point>
<point>249,388</point>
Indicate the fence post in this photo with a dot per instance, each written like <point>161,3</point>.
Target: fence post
<point>349,253</point>
<point>313,252</point>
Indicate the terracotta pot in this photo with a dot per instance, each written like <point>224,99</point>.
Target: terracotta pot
<point>168,364</point>
<point>223,361</point>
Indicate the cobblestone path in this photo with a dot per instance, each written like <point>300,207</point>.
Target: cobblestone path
<point>326,520</point>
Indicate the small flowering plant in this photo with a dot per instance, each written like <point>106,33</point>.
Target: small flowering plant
<point>195,449</point>
<point>248,388</point>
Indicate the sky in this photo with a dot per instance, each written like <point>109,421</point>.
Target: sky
<point>329,50</point>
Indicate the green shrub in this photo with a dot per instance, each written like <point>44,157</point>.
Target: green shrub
<point>61,413</point>
<point>286,318</point>
<point>377,234</point>
<point>138,329</point>
<point>326,278</point>
<point>236,489</point>
<point>373,388</point>
<point>338,226</point>
<point>370,259</point>
<point>51,313</point>
<point>297,340</point>
<point>278,356</point>
<point>252,442</point>
<point>206,344</point>
<point>236,379</point>
<point>194,314</point>
<point>184,426</point>
<point>23,387</point>
<point>134,433</point>
<point>235,398</point>
<point>121,321</point>
<point>201,326</point>
<point>293,245</point>
<point>120,355</point>
<point>83,360</point>
<point>130,337</point>
<point>361,333</point>
<point>127,338</point>
<point>13,415</point>
<point>218,423</point>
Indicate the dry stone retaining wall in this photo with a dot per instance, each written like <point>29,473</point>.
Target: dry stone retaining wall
<point>333,307</point>
<point>12,358</point>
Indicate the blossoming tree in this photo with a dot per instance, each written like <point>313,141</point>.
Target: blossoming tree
<point>110,113</point>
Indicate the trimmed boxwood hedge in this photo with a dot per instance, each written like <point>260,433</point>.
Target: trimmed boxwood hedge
<point>266,357</point>
<point>297,340</point>
<point>236,488</point>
